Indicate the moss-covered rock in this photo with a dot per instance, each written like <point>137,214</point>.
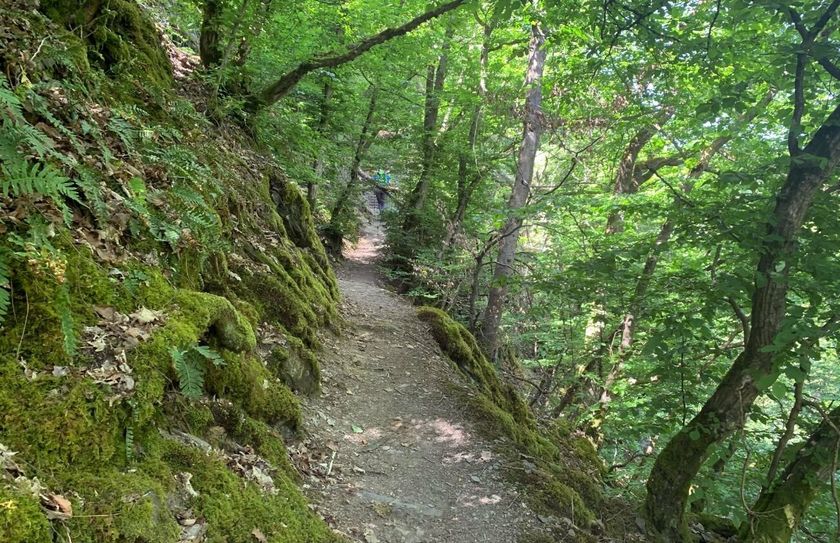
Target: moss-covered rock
<point>246,382</point>
<point>233,509</point>
<point>123,506</point>
<point>120,38</point>
<point>297,367</point>
<point>560,499</point>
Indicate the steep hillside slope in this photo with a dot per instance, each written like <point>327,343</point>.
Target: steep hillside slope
<point>161,289</point>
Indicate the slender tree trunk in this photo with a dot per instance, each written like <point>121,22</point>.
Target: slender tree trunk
<point>625,183</point>
<point>467,185</point>
<point>435,78</point>
<point>335,235</point>
<point>779,509</point>
<point>318,162</point>
<point>726,410</point>
<point>509,235</point>
<point>286,82</point>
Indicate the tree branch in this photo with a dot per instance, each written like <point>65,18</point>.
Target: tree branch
<point>287,81</point>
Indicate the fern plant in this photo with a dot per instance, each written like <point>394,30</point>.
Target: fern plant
<point>18,177</point>
<point>189,367</point>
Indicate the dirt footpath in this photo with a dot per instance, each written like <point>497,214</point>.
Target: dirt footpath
<point>392,455</point>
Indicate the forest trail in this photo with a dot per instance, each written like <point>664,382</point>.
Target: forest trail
<point>392,455</point>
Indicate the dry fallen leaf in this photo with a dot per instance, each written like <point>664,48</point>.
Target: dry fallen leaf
<point>145,315</point>
<point>56,506</point>
<point>105,312</point>
<point>259,536</point>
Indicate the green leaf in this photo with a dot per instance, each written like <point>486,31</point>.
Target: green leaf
<point>778,390</point>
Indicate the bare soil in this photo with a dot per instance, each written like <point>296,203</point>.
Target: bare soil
<point>393,455</point>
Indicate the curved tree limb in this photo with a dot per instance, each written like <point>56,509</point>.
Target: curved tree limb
<point>282,86</point>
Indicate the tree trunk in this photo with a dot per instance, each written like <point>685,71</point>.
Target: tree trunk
<point>282,86</point>
<point>210,41</point>
<point>624,177</point>
<point>334,232</point>
<point>466,185</point>
<point>509,235</point>
<point>726,410</point>
<point>318,162</point>
<point>595,342</point>
<point>435,78</point>
<point>778,510</point>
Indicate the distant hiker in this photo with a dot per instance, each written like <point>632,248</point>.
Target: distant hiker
<point>382,179</point>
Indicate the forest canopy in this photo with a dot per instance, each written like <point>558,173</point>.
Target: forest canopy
<point>632,205</point>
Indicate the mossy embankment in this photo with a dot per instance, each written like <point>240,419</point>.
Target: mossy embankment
<point>176,235</point>
<point>562,468</point>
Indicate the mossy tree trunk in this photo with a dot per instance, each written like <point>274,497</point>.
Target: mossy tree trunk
<point>756,367</point>
<point>210,40</point>
<point>117,33</point>
<point>779,509</point>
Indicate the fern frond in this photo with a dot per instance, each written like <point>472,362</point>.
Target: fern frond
<point>193,207</point>
<point>9,102</point>
<point>190,373</point>
<point>209,354</point>
<point>126,133</point>
<point>18,178</point>
<point>92,190</point>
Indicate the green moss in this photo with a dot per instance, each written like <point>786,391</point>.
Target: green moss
<point>234,508</point>
<point>562,500</point>
<point>55,423</point>
<point>587,486</point>
<point>265,440</point>
<point>293,208</point>
<point>526,439</point>
<point>246,382</point>
<point>297,367</point>
<point>123,506</point>
<point>21,519</point>
<point>460,345</point>
<point>120,38</point>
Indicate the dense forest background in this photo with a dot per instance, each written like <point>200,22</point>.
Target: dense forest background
<point>632,205</point>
